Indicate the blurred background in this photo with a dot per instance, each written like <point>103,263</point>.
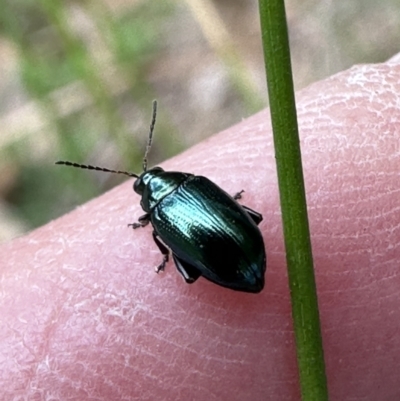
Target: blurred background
<point>77,79</point>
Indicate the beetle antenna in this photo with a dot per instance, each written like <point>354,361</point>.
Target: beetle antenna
<point>107,170</point>
<point>89,167</point>
<point>150,140</point>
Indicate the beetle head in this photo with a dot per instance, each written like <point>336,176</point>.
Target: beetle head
<point>141,183</point>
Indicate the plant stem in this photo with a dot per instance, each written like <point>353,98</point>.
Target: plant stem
<point>293,201</point>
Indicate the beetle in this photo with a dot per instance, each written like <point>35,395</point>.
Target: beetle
<point>207,231</point>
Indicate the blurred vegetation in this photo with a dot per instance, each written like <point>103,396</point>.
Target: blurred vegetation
<point>77,79</point>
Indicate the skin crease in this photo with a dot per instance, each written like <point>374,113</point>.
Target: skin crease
<point>83,316</point>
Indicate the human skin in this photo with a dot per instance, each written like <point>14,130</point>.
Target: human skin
<point>83,316</point>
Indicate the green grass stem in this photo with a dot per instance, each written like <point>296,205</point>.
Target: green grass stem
<point>305,313</point>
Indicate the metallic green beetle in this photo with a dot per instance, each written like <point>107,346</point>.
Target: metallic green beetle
<point>208,232</point>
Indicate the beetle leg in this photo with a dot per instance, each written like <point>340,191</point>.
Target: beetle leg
<point>188,272</point>
<point>238,195</point>
<point>255,216</point>
<point>142,221</point>
<point>164,250</point>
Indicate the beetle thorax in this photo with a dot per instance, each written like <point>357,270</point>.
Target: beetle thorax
<point>155,184</point>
